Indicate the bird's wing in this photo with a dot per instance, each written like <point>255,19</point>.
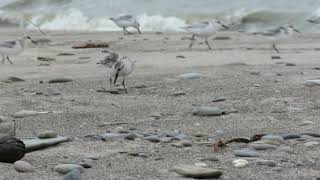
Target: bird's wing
<point>125,17</point>
<point>8,44</point>
<point>198,25</point>
<point>108,62</point>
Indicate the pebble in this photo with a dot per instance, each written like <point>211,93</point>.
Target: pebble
<point>180,56</point>
<point>111,136</point>
<point>213,159</point>
<point>255,73</point>
<point>25,113</point>
<point>92,157</point>
<point>121,130</point>
<point>186,143</point>
<point>66,168</point>
<point>131,136</point>
<point>240,163</point>
<point>60,80</point>
<point>128,178</point>
<point>52,92</point>
<point>190,76</point>
<point>273,138</point>
<point>197,172</point>
<point>200,164</point>
<point>290,136</point>
<point>153,138</point>
<point>275,57</point>
<point>218,134</point>
<point>75,174</point>
<point>85,165</point>
<point>246,153</point>
<point>266,162</point>
<point>13,79</point>
<point>260,146</point>
<point>179,93</point>
<point>306,123</point>
<point>276,143</point>
<point>315,82</point>
<point>23,166</point>
<point>45,58</point>
<point>311,143</point>
<point>166,139</point>
<point>207,111</point>
<point>290,64</point>
<point>311,134</point>
<point>219,100</point>
<point>47,134</point>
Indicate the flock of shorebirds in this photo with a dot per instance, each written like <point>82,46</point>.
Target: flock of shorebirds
<point>122,66</point>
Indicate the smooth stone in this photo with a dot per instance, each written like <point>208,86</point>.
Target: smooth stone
<point>273,138</point>
<point>218,134</point>
<point>47,134</point>
<point>25,113</point>
<point>275,57</point>
<point>23,166</point>
<point>190,76</point>
<point>246,153</point>
<point>179,93</point>
<point>13,79</point>
<point>130,136</point>
<point>207,111</point>
<point>276,143</point>
<point>52,92</point>
<point>60,80</point>
<point>85,165</point>
<point>180,136</point>
<point>33,144</point>
<point>92,157</point>
<point>290,64</point>
<point>40,58</point>
<point>240,163</point>
<point>311,143</point>
<point>166,139</point>
<point>66,168</point>
<point>111,136</point>
<point>306,123</point>
<point>128,178</point>
<point>266,162</point>
<point>200,164</point>
<point>315,82</point>
<point>290,136</point>
<point>262,146</point>
<point>154,139</point>
<point>186,143</point>
<point>255,73</point>
<point>197,172</point>
<point>121,130</point>
<point>75,174</point>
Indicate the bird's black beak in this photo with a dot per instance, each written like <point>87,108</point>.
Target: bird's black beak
<point>34,42</point>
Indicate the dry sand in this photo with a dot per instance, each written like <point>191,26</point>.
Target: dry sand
<point>274,100</point>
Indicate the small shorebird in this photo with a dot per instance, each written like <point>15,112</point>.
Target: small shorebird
<point>204,30</point>
<point>279,32</point>
<point>13,47</point>
<point>120,66</point>
<point>125,21</point>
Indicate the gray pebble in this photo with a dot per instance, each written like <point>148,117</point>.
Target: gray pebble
<point>166,139</point>
<point>207,111</point>
<point>215,159</point>
<point>128,178</point>
<point>261,146</point>
<point>266,162</point>
<point>246,153</point>
<point>290,136</point>
<point>311,134</point>
<point>273,138</point>
<point>186,143</point>
<point>52,91</point>
<point>47,134</point>
<point>75,174</point>
<point>315,82</point>
<point>66,168</point>
<point>190,76</point>
<point>311,143</point>
<point>131,136</point>
<point>154,139</point>
<point>85,165</point>
<point>23,166</point>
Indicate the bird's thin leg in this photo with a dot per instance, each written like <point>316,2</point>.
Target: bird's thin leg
<point>192,41</point>
<point>275,47</point>
<point>9,60</point>
<point>139,30</point>
<point>207,43</point>
<point>124,31</point>
<point>3,59</point>
<point>124,85</point>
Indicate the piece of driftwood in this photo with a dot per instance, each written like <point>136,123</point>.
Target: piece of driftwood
<point>91,45</point>
<point>220,144</point>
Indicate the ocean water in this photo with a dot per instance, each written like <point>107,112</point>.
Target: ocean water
<point>159,15</point>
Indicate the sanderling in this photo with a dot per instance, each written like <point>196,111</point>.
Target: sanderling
<point>125,21</point>
<point>204,30</point>
<point>279,32</point>
<point>120,66</point>
<point>13,47</point>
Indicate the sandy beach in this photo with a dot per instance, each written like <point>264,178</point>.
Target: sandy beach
<point>268,97</point>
